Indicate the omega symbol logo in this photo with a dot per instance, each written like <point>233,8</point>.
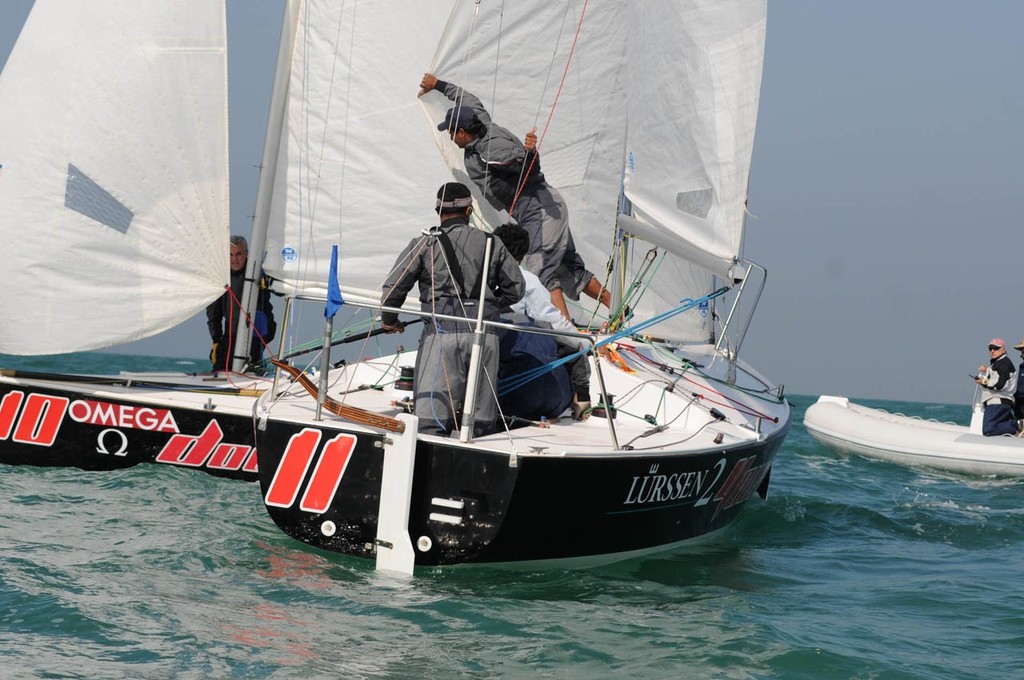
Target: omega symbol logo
<point>102,440</point>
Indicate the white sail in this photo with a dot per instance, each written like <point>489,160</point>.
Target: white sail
<point>356,166</point>
<point>114,177</point>
<point>659,103</point>
<point>690,144</point>
<point>513,56</point>
<point>692,123</point>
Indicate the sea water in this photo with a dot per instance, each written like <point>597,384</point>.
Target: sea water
<point>851,568</point>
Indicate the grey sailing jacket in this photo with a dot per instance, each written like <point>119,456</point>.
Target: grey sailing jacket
<point>496,159</point>
<point>425,262</point>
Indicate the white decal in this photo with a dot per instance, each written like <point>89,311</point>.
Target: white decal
<point>101,439</point>
<point>707,493</point>
<point>119,415</point>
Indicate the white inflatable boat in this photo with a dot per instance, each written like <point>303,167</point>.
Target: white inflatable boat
<point>853,429</point>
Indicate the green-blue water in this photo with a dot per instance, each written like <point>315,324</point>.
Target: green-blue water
<point>851,569</point>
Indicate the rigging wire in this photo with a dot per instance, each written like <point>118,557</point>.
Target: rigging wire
<point>734,403</point>
<point>543,94</point>
<point>636,292</point>
<point>554,104</point>
<point>310,150</point>
<point>233,303</point>
<point>510,383</point>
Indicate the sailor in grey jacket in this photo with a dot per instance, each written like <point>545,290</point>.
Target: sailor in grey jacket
<point>509,174</point>
<point>495,158</point>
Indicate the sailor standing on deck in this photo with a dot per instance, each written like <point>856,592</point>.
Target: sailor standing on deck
<point>446,262</point>
<point>509,175</point>
<point>998,381</point>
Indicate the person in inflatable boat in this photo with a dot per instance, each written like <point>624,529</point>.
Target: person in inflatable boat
<point>998,382</point>
<point>1018,394</point>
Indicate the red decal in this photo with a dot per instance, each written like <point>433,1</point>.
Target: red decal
<point>298,454</point>
<point>728,489</point>
<point>40,420</point>
<point>9,406</point>
<point>250,465</point>
<point>328,473</point>
<point>228,456</point>
<point>741,484</point>
<point>182,449</point>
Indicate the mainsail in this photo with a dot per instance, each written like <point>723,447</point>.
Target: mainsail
<point>657,104</point>
<point>652,108</point>
<point>114,192</point>
<point>355,166</point>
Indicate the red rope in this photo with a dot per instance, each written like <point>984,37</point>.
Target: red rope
<point>551,113</point>
<point>733,403</point>
<point>231,325</point>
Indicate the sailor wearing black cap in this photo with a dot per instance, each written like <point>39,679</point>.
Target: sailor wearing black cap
<point>503,167</point>
<point>446,262</point>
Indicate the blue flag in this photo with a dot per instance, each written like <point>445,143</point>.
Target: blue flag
<point>334,299</point>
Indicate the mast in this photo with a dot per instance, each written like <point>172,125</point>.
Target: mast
<point>265,191</point>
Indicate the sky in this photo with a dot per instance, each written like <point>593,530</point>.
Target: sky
<point>884,189</point>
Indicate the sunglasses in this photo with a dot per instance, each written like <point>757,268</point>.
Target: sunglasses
<point>992,348</point>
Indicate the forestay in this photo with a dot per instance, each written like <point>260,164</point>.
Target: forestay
<point>114,184</point>
<point>659,103</point>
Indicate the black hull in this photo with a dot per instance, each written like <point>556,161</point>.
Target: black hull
<point>47,427</point>
<point>469,505</point>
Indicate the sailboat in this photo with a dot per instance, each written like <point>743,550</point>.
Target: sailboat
<point>114,198</point>
<point>646,115</point>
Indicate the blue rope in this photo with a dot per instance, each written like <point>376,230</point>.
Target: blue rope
<point>511,383</point>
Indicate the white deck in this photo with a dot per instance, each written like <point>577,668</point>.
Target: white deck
<point>669,397</point>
